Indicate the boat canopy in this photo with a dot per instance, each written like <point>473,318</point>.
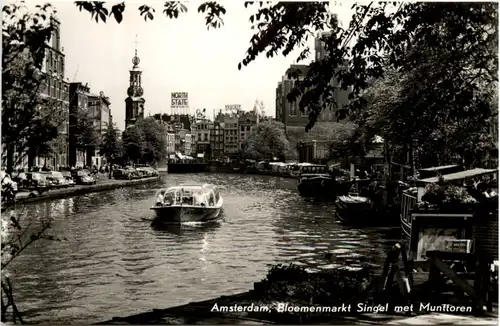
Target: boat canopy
<point>460,175</point>
<point>439,168</point>
<point>196,195</point>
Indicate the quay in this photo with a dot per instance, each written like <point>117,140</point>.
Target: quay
<point>101,185</point>
<point>202,313</point>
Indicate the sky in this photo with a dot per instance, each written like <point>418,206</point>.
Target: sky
<point>176,56</point>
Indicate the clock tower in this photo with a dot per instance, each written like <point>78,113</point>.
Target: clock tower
<point>134,103</point>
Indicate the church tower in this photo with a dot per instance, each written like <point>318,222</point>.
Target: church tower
<point>134,103</point>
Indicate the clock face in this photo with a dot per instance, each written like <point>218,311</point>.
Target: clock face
<point>140,91</point>
<point>130,91</point>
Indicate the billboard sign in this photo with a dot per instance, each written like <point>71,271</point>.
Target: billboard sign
<point>179,100</point>
<point>233,107</point>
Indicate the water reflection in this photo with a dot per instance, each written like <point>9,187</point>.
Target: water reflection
<point>116,261</point>
<point>186,230</point>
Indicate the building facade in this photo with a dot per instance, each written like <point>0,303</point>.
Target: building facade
<point>230,135</point>
<point>170,141</point>
<point>188,144</point>
<point>246,123</point>
<point>202,129</point>
<point>134,103</point>
<point>286,112</point>
<point>98,106</point>
<point>54,87</point>
<point>217,140</point>
<point>79,100</point>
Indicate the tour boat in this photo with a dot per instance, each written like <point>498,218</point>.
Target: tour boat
<point>188,203</point>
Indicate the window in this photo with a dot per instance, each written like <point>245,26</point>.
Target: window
<point>304,114</point>
<point>242,128</point>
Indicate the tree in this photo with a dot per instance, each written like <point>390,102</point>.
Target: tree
<point>155,143</point>
<point>133,144</point>
<point>29,122</point>
<point>86,136</point>
<point>111,147</point>
<point>266,141</point>
<point>145,141</point>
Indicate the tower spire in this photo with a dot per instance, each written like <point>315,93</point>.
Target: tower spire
<point>135,59</point>
<point>136,45</point>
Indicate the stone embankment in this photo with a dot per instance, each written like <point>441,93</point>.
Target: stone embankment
<point>101,185</point>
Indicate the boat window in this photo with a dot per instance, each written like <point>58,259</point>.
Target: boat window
<point>216,196</point>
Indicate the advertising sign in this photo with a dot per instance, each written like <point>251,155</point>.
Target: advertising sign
<point>233,107</point>
<point>179,100</point>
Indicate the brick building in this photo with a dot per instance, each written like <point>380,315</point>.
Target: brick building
<point>98,106</point>
<point>56,88</point>
<point>217,139</point>
<point>79,100</point>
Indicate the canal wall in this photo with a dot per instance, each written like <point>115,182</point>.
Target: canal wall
<point>25,197</point>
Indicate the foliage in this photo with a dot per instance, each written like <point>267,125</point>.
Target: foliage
<point>29,122</point>
<point>145,141</point>
<point>441,193</point>
<point>155,148</point>
<point>82,126</point>
<point>111,147</point>
<point>266,141</point>
<point>133,144</point>
<point>348,143</point>
<point>295,285</point>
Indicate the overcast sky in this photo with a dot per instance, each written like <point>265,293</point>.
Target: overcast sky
<point>176,56</point>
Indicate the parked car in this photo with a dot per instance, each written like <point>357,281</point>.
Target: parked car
<point>121,174</point>
<point>134,173</point>
<point>83,177</point>
<point>56,179</point>
<point>142,172</point>
<point>36,180</point>
<point>152,171</point>
<point>69,179</point>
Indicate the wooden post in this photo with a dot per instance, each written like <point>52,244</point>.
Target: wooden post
<point>450,273</point>
<point>407,267</point>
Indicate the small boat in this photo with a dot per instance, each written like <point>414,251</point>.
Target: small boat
<point>354,209</point>
<point>188,203</point>
<point>316,182</point>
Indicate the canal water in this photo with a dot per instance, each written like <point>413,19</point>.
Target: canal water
<point>114,262</point>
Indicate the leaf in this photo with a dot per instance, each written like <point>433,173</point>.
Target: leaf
<point>102,15</point>
<point>118,16</point>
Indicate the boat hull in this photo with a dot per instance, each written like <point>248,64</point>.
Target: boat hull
<point>178,214</point>
<point>354,213</point>
<point>321,188</point>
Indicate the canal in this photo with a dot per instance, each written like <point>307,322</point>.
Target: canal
<point>113,262</point>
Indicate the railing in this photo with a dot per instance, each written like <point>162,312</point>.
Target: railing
<point>407,204</point>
